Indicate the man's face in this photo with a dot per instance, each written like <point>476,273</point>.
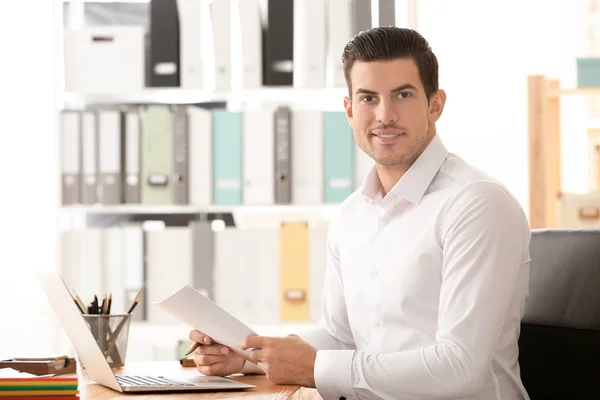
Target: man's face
<point>389,112</point>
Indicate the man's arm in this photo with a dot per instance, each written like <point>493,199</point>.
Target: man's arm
<point>484,237</point>
<point>333,330</point>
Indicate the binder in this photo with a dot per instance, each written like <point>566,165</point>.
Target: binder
<point>338,152</point>
<point>339,32</point>
<point>228,264</point>
<point>203,257</point>
<point>113,267</point>
<point>283,155</point>
<point>294,273</point>
<point>309,44</point>
<point>220,11</point>
<point>168,266</point>
<point>363,163</point>
<point>387,13</point>
<point>249,277</point>
<point>133,262</point>
<point>164,44</point>
<point>109,138</point>
<point>258,159</point>
<point>227,157</point>
<point>180,156</point>
<point>279,44</point>
<point>318,264</point>
<point>104,59</point>
<point>70,160</point>
<point>200,155</point>
<point>190,39</point>
<point>82,258</point>
<point>157,155</point>
<point>264,243</point>
<point>89,144</point>
<point>251,44</point>
<point>361,15</point>
<point>307,144</point>
<point>131,153</point>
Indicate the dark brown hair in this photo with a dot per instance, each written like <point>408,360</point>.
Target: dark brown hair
<point>390,43</point>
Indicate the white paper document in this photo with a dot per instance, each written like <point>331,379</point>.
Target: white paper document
<point>196,310</point>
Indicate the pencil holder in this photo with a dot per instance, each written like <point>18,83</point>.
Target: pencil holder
<point>111,333</point>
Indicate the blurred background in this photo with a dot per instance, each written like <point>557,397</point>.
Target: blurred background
<point>149,144</point>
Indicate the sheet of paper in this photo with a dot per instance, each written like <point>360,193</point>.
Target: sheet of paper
<point>196,310</point>
<point>13,373</point>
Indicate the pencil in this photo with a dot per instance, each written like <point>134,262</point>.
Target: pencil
<point>135,302</point>
<point>109,304</point>
<point>193,347</point>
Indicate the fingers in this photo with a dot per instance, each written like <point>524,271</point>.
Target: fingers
<point>208,360</point>
<point>213,349</point>
<point>199,337</point>
<point>213,369</point>
<point>256,342</point>
<point>256,355</point>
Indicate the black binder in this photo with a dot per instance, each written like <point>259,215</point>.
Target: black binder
<point>164,67</point>
<point>278,53</point>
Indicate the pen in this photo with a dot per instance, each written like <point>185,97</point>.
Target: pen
<point>135,301</point>
<point>193,347</point>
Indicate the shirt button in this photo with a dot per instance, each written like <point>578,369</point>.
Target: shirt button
<point>377,324</point>
<point>374,272</point>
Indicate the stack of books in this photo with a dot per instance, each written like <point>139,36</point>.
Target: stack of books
<point>26,386</point>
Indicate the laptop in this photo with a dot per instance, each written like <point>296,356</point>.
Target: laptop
<point>95,363</point>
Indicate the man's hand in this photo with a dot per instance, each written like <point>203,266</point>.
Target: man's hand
<point>215,359</point>
<point>288,360</point>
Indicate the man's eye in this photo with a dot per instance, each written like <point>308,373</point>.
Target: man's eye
<point>367,99</point>
<point>404,95</point>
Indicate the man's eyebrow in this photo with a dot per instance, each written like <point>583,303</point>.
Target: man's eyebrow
<point>404,87</point>
<point>395,90</point>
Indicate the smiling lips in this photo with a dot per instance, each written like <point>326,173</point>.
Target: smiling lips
<point>387,136</point>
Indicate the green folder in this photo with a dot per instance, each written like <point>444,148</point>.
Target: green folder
<point>338,153</point>
<point>227,157</point>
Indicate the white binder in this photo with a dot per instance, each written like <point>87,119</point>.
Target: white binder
<point>265,244</point>
<point>318,263</point>
<point>133,266</point>
<point>190,39</point>
<point>339,32</point>
<point>200,155</point>
<point>363,164</point>
<point>109,139</point>
<point>113,268</point>
<point>70,160</point>
<point>132,157</point>
<point>104,59</point>
<point>307,144</point>
<point>258,158</point>
<point>220,11</point>
<point>82,262</point>
<point>229,258</point>
<point>251,44</point>
<point>309,44</point>
<point>168,266</point>
<point>89,144</point>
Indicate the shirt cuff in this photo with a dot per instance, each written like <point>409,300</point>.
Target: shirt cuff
<point>333,374</point>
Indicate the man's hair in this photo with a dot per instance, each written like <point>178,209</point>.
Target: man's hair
<point>390,43</point>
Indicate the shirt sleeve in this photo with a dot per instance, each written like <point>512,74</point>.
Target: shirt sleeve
<point>485,239</point>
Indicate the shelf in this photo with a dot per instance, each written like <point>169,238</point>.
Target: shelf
<point>587,91</point>
<point>322,98</point>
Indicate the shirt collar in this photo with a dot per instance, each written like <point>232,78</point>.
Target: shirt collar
<point>416,180</point>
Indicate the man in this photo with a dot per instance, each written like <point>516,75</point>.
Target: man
<point>428,262</point>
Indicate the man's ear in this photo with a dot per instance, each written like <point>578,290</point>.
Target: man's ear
<point>436,105</point>
<point>348,108</point>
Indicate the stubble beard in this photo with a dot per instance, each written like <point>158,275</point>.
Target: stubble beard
<point>403,159</point>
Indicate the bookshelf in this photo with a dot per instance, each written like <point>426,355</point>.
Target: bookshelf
<point>544,131</point>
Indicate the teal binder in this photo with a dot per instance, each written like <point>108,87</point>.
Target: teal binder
<point>227,157</point>
<point>338,153</point>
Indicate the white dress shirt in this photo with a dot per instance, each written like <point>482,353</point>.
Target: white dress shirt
<point>425,288</point>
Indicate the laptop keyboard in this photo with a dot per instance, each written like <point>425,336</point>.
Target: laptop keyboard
<point>141,380</point>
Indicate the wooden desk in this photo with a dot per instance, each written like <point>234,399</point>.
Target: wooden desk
<point>264,389</point>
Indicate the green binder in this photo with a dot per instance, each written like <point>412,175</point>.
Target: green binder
<point>227,157</point>
<point>157,155</point>
<point>338,152</point>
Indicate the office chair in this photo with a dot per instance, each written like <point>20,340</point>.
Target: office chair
<point>559,344</point>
